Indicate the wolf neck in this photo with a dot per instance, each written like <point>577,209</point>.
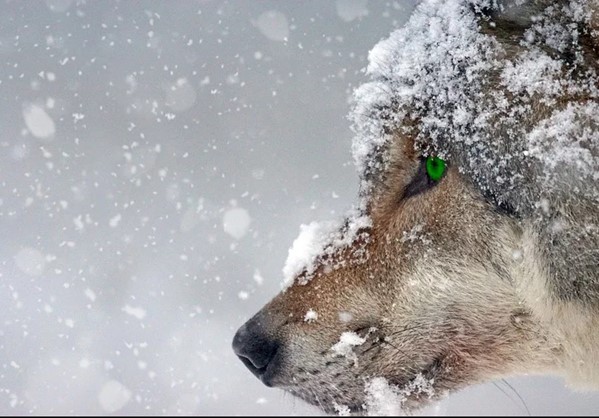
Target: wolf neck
<point>570,325</point>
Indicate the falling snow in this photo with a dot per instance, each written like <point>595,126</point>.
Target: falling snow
<point>113,396</point>
<point>156,160</point>
<point>135,312</point>
<point>39,123</point>
<point>273,25</point>
<point>236,222</point>
<point>349,10</point>
<point>30,261</point>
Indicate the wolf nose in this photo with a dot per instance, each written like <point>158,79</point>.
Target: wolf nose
<point>254,348</point>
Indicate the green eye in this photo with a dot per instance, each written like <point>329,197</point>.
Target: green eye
<point>435,168</point>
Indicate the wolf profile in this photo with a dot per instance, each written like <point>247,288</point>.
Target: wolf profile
<point>473,251</point>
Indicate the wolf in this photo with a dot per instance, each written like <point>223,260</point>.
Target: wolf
<point>472,253</point>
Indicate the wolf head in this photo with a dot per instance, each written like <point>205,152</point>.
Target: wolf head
<point>459,273</point>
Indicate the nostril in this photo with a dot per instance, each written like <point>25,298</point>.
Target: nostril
<point>258,362</point>
<point>256,371</point>
<point>254,348</point>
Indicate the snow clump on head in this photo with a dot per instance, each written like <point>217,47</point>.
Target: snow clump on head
<point>446,82</point>
<point>416,73</point>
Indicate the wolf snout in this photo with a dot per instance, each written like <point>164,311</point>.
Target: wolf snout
<point>256,349</point>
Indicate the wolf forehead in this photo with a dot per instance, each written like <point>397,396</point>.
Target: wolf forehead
<point>502,95</point>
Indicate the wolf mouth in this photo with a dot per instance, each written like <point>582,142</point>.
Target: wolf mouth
<point>412,393</point>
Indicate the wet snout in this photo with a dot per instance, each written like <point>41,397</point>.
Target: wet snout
<point>256,349</point>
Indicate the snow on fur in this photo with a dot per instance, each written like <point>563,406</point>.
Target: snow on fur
<point>571,158</point>
<point>346,344</point>
<point>445,81</point>
<point>348,341</point>
<point>311,316</point>
<point>384,399</point>
<point>318,242</point>
<point>423,61</point>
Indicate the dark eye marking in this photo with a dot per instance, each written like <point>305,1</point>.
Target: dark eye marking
<point>423,180</point>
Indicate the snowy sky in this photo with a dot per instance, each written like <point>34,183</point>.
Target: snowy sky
<point>156,161</point>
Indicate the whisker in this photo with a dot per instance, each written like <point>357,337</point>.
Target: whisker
<point>503,391</point>
<point>394,346</point>
<point>518,395</point>
<point>406,329</point>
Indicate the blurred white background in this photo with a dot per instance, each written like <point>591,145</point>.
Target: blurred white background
<point>156,161</point>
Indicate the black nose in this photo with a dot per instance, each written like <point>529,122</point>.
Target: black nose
<point>255,349</point>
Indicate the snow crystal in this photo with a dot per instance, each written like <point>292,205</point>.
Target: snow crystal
<point>533,72</point>
<point>310,316</point>
<point>349,10</point>
<point>382,399</point>
<point>415,234</point>
<point>566,144</point>
<point>307,246</point>
<point>319,239</point>
<point>115,220</point>
<point>342,410</point>
<point>346,344</point>
<point>420,385</point>
<point>273,25</point>
<point>113,396</point>
<point>79,225</point>
<point>90,294</point>
<point>236,222</point>
<point>39,123</point>
<point>386,400</point>
<point>258,278</point>
<point>243,295</point>
<point>345,317</point>
<point>30,261</point>
<point>138,312</point>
